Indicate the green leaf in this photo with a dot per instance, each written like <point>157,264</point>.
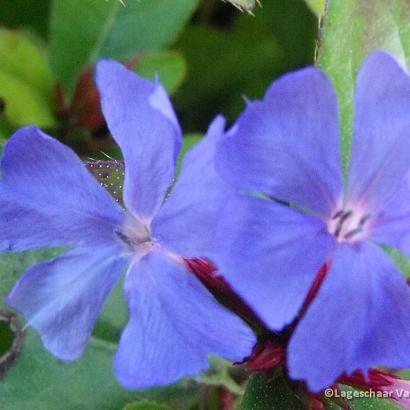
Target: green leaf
<point>351,29</point>
<point>94,28</point>
<point>145,405</point>
<point>169,66</point>
<point>24,104</point>
<point>401,260</point>
<point>188,142</point>
<point>267,393</point>
<point>218,375</point>
<point>25,81</point>
<point>110,174</point>
<point>33,15</point>
<point>358,401</point>
<point>242,60</point>
<point>244,5</point>
<point>5,130</point>
<point>317,6</point>
<point>40,382</point>
<point>25,60</point>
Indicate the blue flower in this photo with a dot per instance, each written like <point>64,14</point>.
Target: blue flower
<point>286,148</point>
<point>48,198</point>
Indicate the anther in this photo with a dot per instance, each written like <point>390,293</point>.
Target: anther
<point>337,214</point>
<point>363,219</point>
<point>343,216</point>
<point>352,233</point>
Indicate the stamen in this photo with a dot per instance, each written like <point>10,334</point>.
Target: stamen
<point>131,242</point>
<point>344,225</point>
<point>363,219</point>
<point>343,217</point>
<point>352,233</point>
<point>337,214</point>
<point>280,201</point>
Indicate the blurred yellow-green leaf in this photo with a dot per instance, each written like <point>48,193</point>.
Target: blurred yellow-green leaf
<point>219,375</point>
<point>226,64</point>
<point>25,81</point>
<point>317,6</point>
<point>24,104</point>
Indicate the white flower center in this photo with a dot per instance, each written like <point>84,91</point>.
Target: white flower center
<point>135,236</point>
<point>349,225</point>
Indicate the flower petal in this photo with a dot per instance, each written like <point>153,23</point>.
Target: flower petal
<point>287,145</point>
<point>142,121</point>
<point>391,224</point>
<point>48,198</point>
<point>62,298</point>
<point>381,145</point>
<point>187,221</point>
<point>359,319</point>
<point>270,254</point>
<point>174,324</point>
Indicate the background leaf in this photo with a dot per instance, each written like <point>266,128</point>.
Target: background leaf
<point>145,405</point>
<point>369,403</point>
<point>218,375</point>
<point>96,28</point>
<point>226,62</point>
<point>317,6</point>
<point>266,393</point>
<point>169,66</point>
<point>17,14</point>
<point>25,81</point>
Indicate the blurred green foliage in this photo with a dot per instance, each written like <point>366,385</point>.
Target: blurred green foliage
<point>217,56</point>
<point>25,81</point>
<point>231,55</point>
<point>91,29</point>
<point>267,392</point>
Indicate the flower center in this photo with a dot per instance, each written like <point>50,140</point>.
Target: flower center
<point>349,225</point>
<point>135,236</point>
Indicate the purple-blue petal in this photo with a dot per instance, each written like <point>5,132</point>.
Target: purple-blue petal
<point>48,198</point>
<point>391,224</point>
<point>287,145</point>
<point>359,319</point>
<point>141,119</point>
<point>186,222</point>
<point>62,298</point>
<point>270,254</point>
<point>175,323</point>
<point>380,155</point>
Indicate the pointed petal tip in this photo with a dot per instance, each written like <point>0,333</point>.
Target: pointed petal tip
<point>25,132</point>
<point>217,124</point>
<point>104,65</point>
